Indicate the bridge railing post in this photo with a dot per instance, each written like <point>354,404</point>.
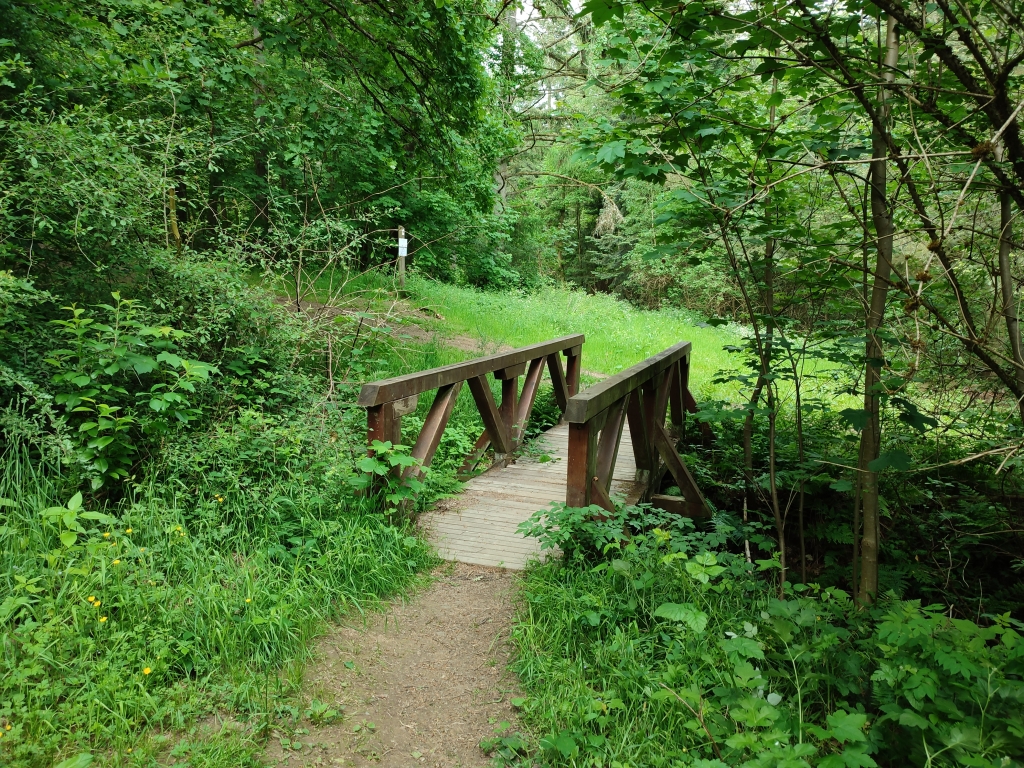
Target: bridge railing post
<point>646,396</point>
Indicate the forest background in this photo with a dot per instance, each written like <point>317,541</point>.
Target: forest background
<point>198,207</point>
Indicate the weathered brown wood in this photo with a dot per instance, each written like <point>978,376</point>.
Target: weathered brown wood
<point>572,371</point>
<point>479,449</point>
<point>608,444</point>
<point>381,424</point>
<point>694,498</point>
<point>599,496</point>
<point>530,386</point>
<point>389,390</point>
<point>676,394</point>
<point>581,464</point>
<point>642,452</point>
<point>598,397</point>
<point>493,424</point>
<point>676,505</point>
<point>663,388</point>
<point>512,372</point>
<point>433,426</point>
<point>558,382</point>
<point>509,400</point>
<point>406,405</point>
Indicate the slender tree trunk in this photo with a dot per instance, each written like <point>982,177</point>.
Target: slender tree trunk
<point>1009,299</point>
<point>259,165</point>
<point>870,438</point>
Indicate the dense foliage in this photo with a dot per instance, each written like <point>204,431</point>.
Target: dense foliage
<point>198,207</point>
<point>653,644</point>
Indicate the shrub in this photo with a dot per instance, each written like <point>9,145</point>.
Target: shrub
<point>652,644</point>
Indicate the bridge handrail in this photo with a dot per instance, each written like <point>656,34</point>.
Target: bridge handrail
<point>399,387</point>
<point>643,396</point>
<point>598,397</point>
<point>387,400</point>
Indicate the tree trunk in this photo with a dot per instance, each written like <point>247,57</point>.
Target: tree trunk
<point>1009,299</point>
<point>259,165</point>
<point>870,438</point>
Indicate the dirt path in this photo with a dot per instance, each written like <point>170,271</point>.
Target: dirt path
<point>421,684</point>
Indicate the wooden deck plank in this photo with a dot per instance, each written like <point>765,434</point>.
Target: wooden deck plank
<point>479,526</point>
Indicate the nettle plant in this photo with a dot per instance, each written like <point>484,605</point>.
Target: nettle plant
<point>381,478</point>
<point>119,381</point>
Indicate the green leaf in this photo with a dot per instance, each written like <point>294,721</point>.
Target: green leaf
<point>684,613</point>
<point>897,459</point>
<point>565,744</point>
<point>847,726</point>
<point>742,647</point>
<point>841,485</point>
<point>81,760</point>
<point>68,538</point>
<point>855,417</point>
<point>601,11</point>
<point>75,502</point>
<point>914,720</point>
<point>611,151</point>
<point>775,100</point>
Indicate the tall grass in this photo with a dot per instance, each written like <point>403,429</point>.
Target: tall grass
<point>165,606</point>
<point>618,335</point>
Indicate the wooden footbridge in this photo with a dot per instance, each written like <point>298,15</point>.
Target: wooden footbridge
<point>616,441</point>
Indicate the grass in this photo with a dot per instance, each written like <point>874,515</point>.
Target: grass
<point>167,606</point>
<point>617,334</point>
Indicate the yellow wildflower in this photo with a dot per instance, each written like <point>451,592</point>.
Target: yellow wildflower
<point>90,598</point>
<point>117,562</point>
<point>248,599</point>
<point>106,535</point>
<point>102,619</point>
<point>97,604</point>
<point>142,549</point>
<point>127,530</point>
<point>146,671</point>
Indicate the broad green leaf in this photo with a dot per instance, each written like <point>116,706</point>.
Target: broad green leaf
<point>855,417</point>
<point>565,744</point>
<point>847,726</point>
<point>611,151</point>
<point>82,760</point>
<point>68,538</point>
<point>742,647</point>
<point>601,11</point>
<point>684,613</point>
<point>75,502</point>
<point>897,459</point>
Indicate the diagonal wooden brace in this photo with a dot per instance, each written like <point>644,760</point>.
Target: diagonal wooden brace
<point>497,432</point>
<point>433,427</point>
<point>695,503</point>
<point>558,381</point>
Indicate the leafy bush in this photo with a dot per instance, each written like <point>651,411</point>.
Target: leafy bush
<point>158,609</point>
<point>651,644</point>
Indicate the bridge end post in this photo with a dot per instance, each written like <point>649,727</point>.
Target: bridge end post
<point>582,464</point>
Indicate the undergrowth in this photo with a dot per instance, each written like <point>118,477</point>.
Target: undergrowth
<point>653,644</point>
<point>166,606</point>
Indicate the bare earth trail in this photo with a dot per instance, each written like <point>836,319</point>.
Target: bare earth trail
<point>421,683</point>
<point>424,682</point>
